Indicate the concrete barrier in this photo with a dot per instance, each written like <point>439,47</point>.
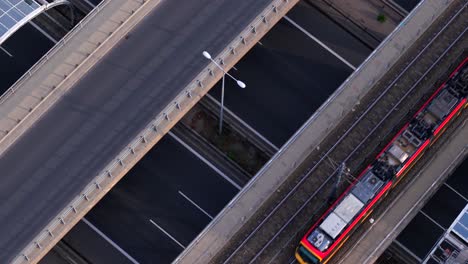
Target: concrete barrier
<point>62,66</point>
<point>308,137</point>
<point>153,132</point>
<point>56,72</point>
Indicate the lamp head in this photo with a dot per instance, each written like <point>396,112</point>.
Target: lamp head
<point>241,84</point>
<point>206,55</point>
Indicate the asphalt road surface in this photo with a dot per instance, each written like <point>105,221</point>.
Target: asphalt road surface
<point>90,245</point>
<point>408,5</point>
<point>18,55</point>
<point>55,159</point>
<point>425,229</point>
<point>170,186</point>
<point>289,74</point>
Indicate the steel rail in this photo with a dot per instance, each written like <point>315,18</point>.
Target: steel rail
<point>359,145</point>
<point>306,176</point>
<point>407,187</point>
<point>362,142</point>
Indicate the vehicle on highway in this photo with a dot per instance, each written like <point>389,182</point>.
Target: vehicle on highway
<point>356,203</point>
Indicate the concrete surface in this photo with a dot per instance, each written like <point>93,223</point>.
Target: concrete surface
<point>152,190</point>
<point>100,115</point>
<point>60,68</point>
<point>231,219</point>
<point>21,54</point>
<point>94,125</point>
<point>364,13</point>
<point>402,210</point>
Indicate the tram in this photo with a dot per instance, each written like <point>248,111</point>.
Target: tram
<point>355,204</point>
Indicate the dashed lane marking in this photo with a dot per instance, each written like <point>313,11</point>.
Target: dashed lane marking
<point>320,43</point>
<point>167,234</point>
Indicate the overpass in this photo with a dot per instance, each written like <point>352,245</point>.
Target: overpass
<point>95,104</point>
<point>81,136</point>
<point>399,212</point>
<point>262,222</point>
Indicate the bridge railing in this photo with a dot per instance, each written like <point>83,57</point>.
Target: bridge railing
<point>58,46</point>
<point>309,136</point>
<point>149,136</point>
<point>49,78</point>
<point>45,239</point>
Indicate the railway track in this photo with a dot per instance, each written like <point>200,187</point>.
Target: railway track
<point>271,235</point>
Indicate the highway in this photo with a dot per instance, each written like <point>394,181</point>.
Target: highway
<point>271,235</point>
<point>289,66</point>
<point>90,245</point>
<point>424,230</point>
<point>166,155</point>
<point>180,200</point>
<point>76,138</point>
<point>169,191</point>
<point>419,210</point>
<point>408,5</point>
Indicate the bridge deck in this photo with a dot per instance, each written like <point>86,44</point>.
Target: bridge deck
<point>255,229</point>
<point>95,120</point>
<point>393,216</point>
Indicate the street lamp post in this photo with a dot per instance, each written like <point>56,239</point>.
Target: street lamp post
<point>239,83</point>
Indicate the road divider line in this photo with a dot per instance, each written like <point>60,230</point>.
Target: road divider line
<point>307,33</point>
<point>205,160</point>
<point>110,241</point>
<point>195,204</point>
<point>226,109</point>
<point>167,234</point>
<point>6,51</point>
<point>47,35</point>
<point>455,191</point>
<point>407,250</point>
<point>432,220</point>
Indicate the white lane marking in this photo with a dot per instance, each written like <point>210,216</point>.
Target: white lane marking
<point>110,241</point>
<point>167,234</point>
<point>243,123</point>
<point>205,160</point>
<point>43,32</point>
<point>320,43</point>
<point>196,205</point>
<point>91,4</point>
<point>294,260</point>
<point>432,220</point>
<point>387,209</point>
<point>4,50</point>
<point>455,191</point>
<point>408,250</point>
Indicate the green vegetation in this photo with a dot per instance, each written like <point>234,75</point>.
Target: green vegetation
<point>381,18</point>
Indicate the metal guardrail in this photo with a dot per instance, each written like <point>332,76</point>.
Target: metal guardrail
<point>392,234</point>
<point>151,133</point>
<point>343,86</point>
<point>387,41</point>
<point>26,19</point>
<point>59,45</point>
<point>376,101</point>
<point>41,86</point>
